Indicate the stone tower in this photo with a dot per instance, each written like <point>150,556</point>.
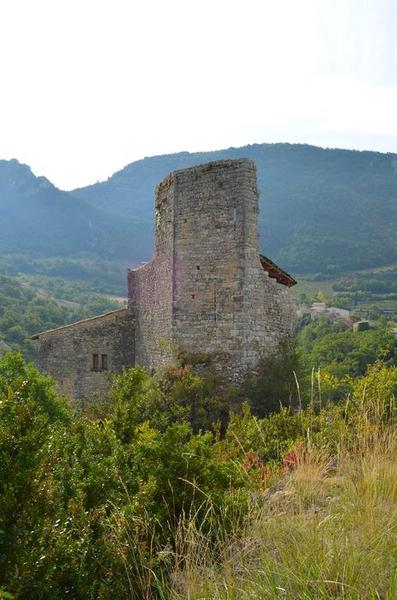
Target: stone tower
<point>207,290</point>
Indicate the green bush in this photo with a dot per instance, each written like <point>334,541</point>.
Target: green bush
<point>99,505</point>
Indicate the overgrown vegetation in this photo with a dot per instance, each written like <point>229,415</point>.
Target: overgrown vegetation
<point>155,494</point>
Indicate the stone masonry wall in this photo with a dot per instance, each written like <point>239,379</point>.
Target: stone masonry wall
<point>150,288</point>
<point>278,310</point>
<point>212,203</point>
<point>224,302</point>
<point>66,353</point>
<point>205,290</point>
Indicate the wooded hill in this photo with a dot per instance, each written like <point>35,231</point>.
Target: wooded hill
<point>40,221</point>
<point>322,210</point>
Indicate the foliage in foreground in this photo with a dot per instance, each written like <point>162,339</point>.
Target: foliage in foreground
<point>327,529</point>
<point>123,504</point>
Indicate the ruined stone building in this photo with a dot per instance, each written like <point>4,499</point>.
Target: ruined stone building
<point>207,289</point>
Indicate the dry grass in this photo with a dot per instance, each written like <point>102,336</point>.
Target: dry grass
<point>327,530</point>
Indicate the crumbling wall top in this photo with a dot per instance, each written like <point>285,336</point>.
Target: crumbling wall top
<point>196,170</point>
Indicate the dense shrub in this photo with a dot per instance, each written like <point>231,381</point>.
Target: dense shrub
<point>98,505</point>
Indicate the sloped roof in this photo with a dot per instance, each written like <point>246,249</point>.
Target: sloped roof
<point>276,272</point>
<point>111,313</point>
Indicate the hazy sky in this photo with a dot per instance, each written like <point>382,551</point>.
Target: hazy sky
<point>88,86</point>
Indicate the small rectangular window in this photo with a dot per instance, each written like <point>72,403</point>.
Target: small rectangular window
<point>95,362</point>
<point>104,362</point>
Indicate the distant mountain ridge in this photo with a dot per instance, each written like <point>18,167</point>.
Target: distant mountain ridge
<point>39,220</point>
<point>321,210</point>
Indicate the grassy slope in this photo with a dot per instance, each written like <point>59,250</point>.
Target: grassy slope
<point>327,529</point>
<point>324,533</point>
